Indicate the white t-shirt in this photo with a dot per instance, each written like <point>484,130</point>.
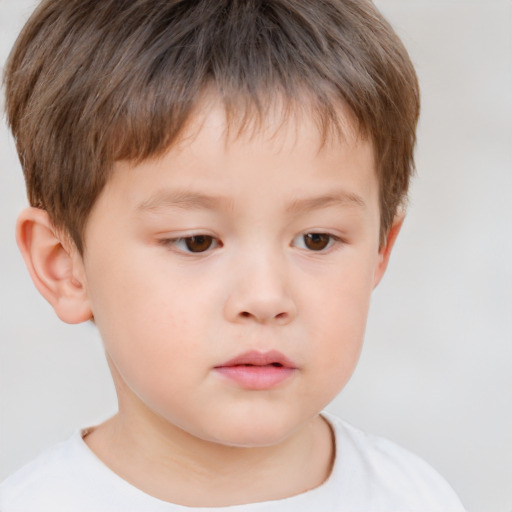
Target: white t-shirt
<point>370,474</point>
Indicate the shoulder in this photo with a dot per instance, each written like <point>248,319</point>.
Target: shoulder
<point>32,482</point>
<point>64,477</point>
<point>385,476</point>
<point>69,477</point>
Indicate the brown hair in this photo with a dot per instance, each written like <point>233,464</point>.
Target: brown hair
<point>89,82</point>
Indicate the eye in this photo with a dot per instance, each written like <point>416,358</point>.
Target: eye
<point>315,241</point>
<point>193,244</point>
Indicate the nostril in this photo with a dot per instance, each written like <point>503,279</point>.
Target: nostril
<point>282,317</point>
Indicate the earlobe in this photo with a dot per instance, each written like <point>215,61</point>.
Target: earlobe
<point>385,250</point>
<point>54,264</point>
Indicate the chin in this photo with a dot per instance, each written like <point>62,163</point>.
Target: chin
<point>254,432</point>
<point>254,440</point>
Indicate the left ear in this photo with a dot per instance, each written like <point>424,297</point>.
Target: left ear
<point>385,250</point>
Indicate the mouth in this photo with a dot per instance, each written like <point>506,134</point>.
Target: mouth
<point>257,370</point>
<point>255,358</point>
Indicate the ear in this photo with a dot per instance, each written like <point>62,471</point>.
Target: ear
<point>54,264</point>
<point>385,250</point>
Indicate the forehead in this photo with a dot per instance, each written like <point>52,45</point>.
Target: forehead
<point>280,136</point>
<point>216,153</point>
<point>280,121</point>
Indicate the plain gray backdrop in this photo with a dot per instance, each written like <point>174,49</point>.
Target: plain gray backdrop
<point>435,374</point>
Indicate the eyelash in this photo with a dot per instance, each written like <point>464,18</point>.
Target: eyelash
<point>212,241</point>
<point>175,242</point>
<point>331,240</point>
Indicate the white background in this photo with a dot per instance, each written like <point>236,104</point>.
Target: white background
<point>435,374</point>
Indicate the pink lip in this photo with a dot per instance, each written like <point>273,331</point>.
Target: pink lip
<point>258,370</point>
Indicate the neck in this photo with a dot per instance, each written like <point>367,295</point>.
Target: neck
<point>171,464</point>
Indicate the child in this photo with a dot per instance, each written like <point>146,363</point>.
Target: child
<point>217,185</point>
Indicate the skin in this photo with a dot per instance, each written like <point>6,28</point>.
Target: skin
<point>169,316</point>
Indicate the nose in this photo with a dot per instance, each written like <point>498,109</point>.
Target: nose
<point>260,293</point>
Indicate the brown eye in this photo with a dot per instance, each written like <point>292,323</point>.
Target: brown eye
<point>198,243</point>
<point>317,241</point>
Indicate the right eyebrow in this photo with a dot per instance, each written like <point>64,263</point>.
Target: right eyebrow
<point>184,200</point>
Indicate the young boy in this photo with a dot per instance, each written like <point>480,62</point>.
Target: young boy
<point>217,185</point>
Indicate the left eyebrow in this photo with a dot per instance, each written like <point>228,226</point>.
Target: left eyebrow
<point>341,198</point>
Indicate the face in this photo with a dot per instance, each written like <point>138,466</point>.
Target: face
<point>230,279</point>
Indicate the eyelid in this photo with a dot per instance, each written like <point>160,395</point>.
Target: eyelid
<point>172,243</point>
<point>334,240</point>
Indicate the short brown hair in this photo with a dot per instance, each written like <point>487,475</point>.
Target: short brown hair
<point>90,82</point>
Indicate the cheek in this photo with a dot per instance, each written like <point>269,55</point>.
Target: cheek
<point>337,315</point>
<point>341,336</point>
<point>152,347</point>
<point>142,321</point>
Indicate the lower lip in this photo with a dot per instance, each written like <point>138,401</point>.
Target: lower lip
<point>256,377</point>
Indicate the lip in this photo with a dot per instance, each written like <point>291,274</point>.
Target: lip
<point>258,370</point>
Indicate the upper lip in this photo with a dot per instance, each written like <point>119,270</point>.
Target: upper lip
<point>256,358</point>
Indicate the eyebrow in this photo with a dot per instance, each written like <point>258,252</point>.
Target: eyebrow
<point>339,198</point>
<point>185,200</point>
<point>192,200</point>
